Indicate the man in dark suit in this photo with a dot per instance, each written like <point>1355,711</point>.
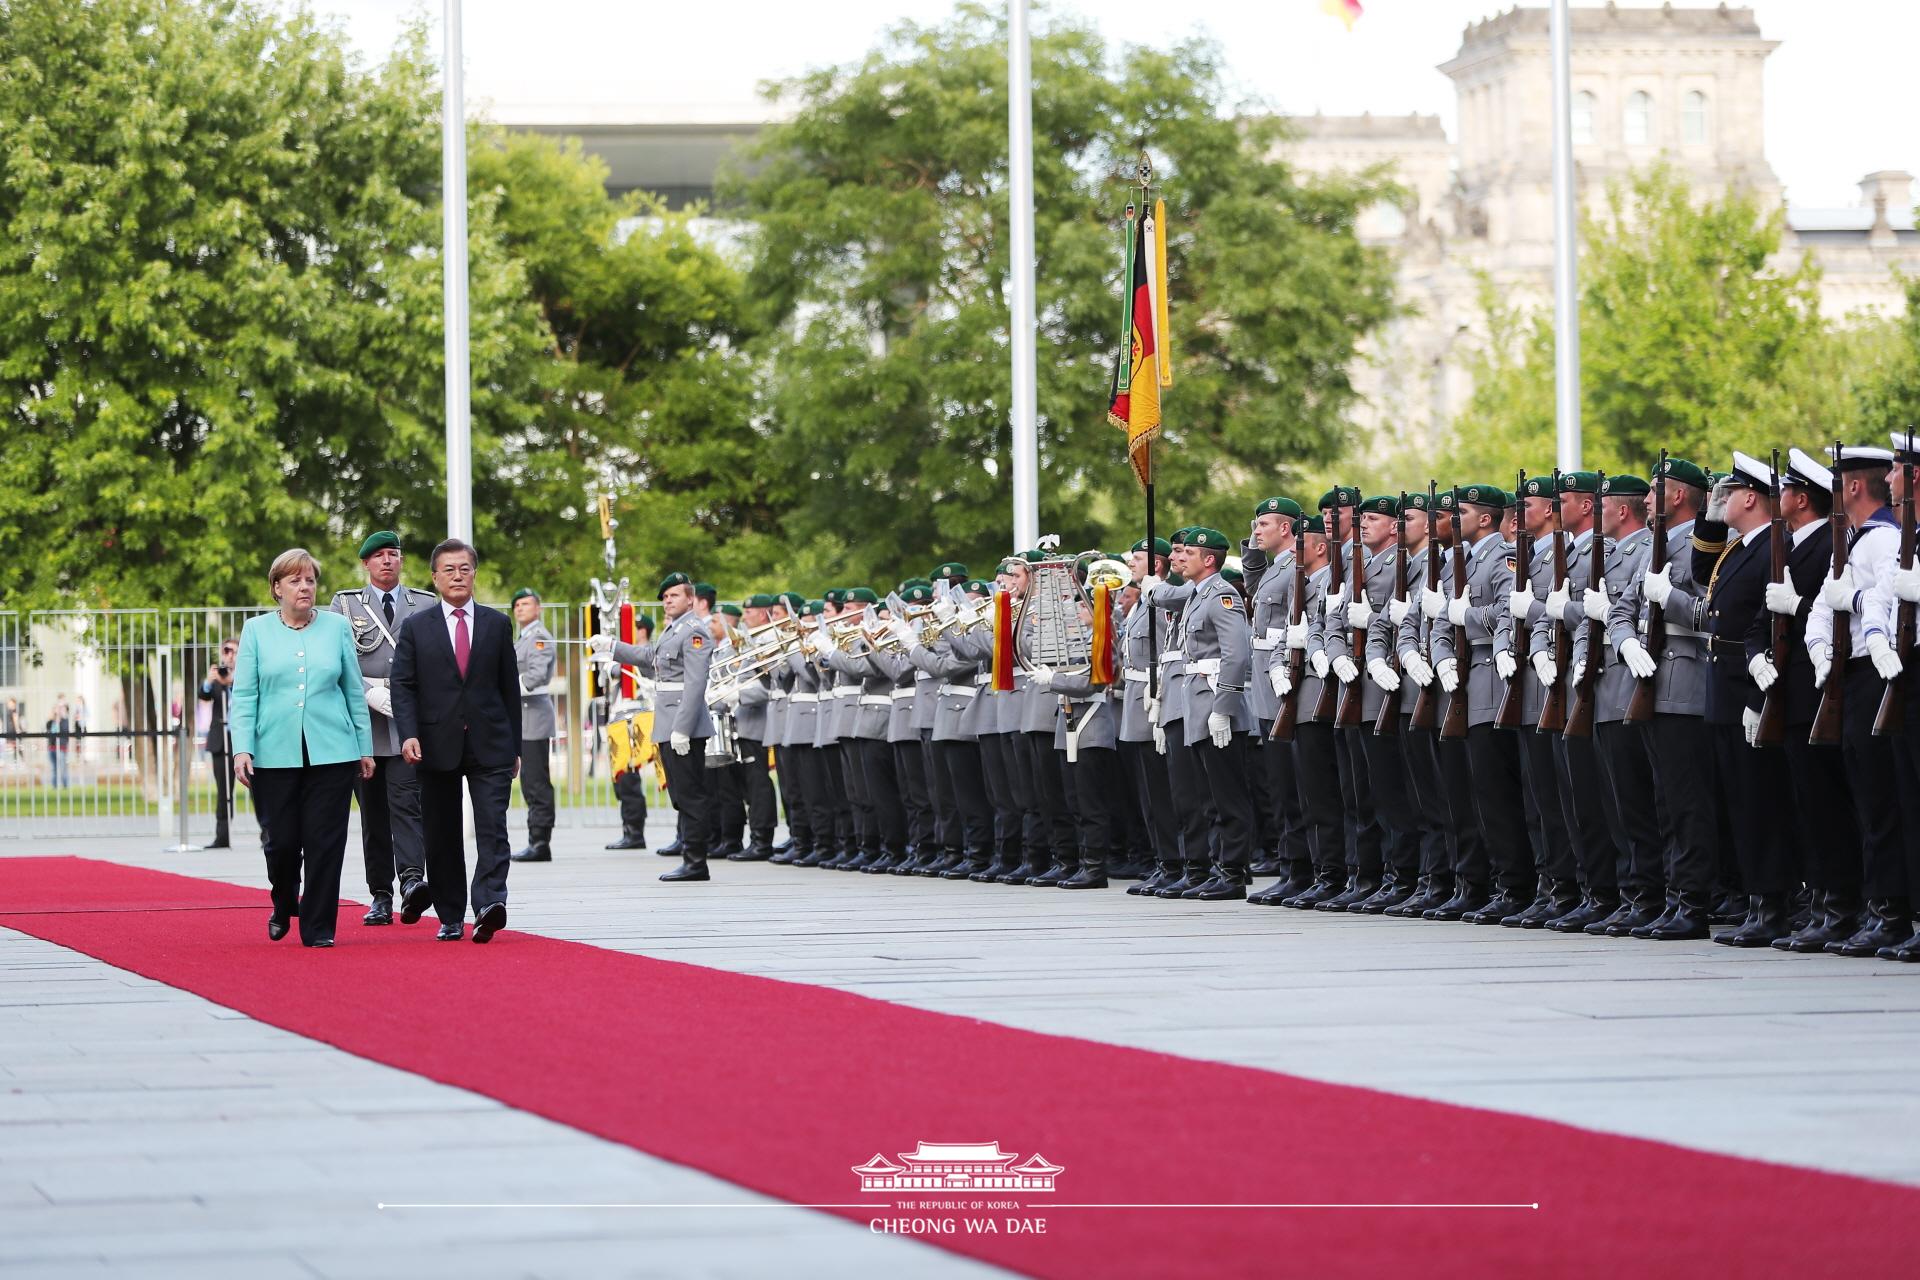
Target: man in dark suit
<point>456,702</point>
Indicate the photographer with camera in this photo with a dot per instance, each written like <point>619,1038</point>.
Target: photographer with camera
<point>217,688</point>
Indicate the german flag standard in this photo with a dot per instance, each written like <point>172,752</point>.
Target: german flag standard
<point>1144,363</point>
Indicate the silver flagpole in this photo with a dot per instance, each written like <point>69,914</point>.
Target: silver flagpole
<point>453,186</point>
<point>1026,449</point>
<point>1566,286</point>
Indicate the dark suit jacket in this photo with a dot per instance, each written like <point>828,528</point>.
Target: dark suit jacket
<point>1807,567</point>
<point>1739,593</point>
<point>450,715</point>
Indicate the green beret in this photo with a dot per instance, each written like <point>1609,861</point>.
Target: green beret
<point>731,610</point>
<point>674,580</point>
<point>1579,482</point>
<point>1234,576</point>
<point>811,609</point>
<point>1208,540</point>
<point>862,595</point>
<point>706,591</point>
<point>1380,505</point>
<point>1443,500</point>
<point>1485,495</point>
<point>1413,502</point>
<point>1537,487</point>
<point>1175,578</point>
<point>761,600</point>
<point>379,542</point>
<point>1340,496</point>
<point>916,582</point>
<point>794,601</point>
<point>1685,472</point>
<point>979,586</point>
<point>834,595</point>
<point>918,593</point>
<point>1032,556</point>
<point>1180,536</point>
<point>950,571</point>
<point>1625,487</point>
<point>524,593</point>
<point>1314,524</point>
<point>1161,547</point>
<point>1279,507</point>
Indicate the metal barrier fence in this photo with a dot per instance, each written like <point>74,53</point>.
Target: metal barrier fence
<point>105,717</point>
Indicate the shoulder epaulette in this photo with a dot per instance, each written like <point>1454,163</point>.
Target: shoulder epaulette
<point>1706,544</point>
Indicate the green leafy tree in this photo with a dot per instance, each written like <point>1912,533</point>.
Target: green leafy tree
<point>880,255</point>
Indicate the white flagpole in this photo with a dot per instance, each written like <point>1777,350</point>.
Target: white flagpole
<point>1026,449</point>
<point>1566,286</point>
<point>453,260</point>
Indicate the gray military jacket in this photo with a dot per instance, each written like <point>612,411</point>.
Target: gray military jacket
<point>1489,582</point>
<point>1386,640</point>
<point>982,717</point>
<point>374,638</point>
<point>1173,657</point>
<point>1546,630</point>
<point>1613,689</point>
<point>1085,719</point>
<point>1136,725</point>
<point>956,692</point>
<point>1378,582</point>
<point>1218,643</point>
<point>678,659</point>
<point>900,674</point>
<point>535,651</point>
<point>1311,686</point>
<point>1271,586</point>
<point>801,722</point>
<point>1680,684</point>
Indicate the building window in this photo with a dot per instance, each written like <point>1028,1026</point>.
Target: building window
<point>1639,121</point>
<point>1693,120</point>
<point>1583,105</point>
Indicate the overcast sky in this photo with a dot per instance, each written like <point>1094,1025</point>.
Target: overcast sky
<point>1839,90</point>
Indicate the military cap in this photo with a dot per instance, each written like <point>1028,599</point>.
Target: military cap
<point>761,600</point>
<point>1234,576</point>
<point>1340,496</point>
<point>730,609</point>
<point>674,580</point>
<point>793,600</point>
<point>1625,487</point>
<point>1906,446</point>
<point>706,591</point>
<point>1180,535</point>
<point>1161,547</point>
<point>1862,457</point>
<point>1380,505</point>
<point>1685,472</point>
<point>1209,540</point>
<point>918,593</point>
<point>524,593</point>
<point>950,571</point>
<point>1443,500</point>
<point>1279,507</point>
<point>1806,472</point>
<point>1579,482</point>
<point>811,609</point>
<point>1413,502</point>
<point>1537,486</point>
<point>379,542</point>
<point>862,595</point>
<point>979,586</point>
<point>915,582</point>
<point>834,595</point>
<point>1750,473</point>
<point>1485,495</point>
<point>1314,524</point>
<point>1032,555</point>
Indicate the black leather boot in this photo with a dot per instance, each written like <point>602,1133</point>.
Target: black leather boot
<point>666,850</point>
<point>691,868</point>
<point>1556,898</point>
<point>1191,874</point>
<point>1633,911</point>
<point>1092,873</point>
<point>1467,896</point>
<point>630,840</point>
<point>1729,908</point>
<point>1328,882</point>
<point>1224,884</point>
<point>1152,882</point>
<point>1428,892</point>
<point>1359,889</point>
<point>1888,923</point>
<point>1504,903</point>
<point>1684,920</point>
<point>1033,864</point>
<point>1393,891</point>
<point>1592,908</point>
<point>1061,869</point>
<point>381,912</point>
<point>786,855</point>
<point>1836,917</point>
<point>758,851</point>
<point>1767,919</point>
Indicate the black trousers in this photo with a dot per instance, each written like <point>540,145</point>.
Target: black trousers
<point>881,782</point>
<point>1053,813</point>
<point>1498,798</point>
<point>1632,809</point>
<point>1758,793</point>
<point>1870,765</point>
<point>1553,845</point>
<point>1152,798</point>
<point>1420,750</point>
<point>1466,844</point>
<point>833,810</point>
<point>1366,852</point>
<point>1906,764</point>
<point>865,831</point>
<point>303,831</point>
<point>999,763</point>
<point>727,794</point>
<point>809,766</point>
<point>1583,798</point>
<point>1392,801</point>
<point>1274,760</point>
<point>631,791</point>
<point>1681,748</point>
<point>222,764</point>
<point>762,806</point>
<point>910,767</point>
<point>1193,811</point>
<point>1136,838</point>
<point>536,785</point>
<point>793,803</point>
<point>688,788</point>
<point>390,838</point>
<point>490,788</point>
<point>1316,772</point>
<point>971,830</point>
<point>1226,769</point>
<point>1096,789</point>
<point>943,829</point>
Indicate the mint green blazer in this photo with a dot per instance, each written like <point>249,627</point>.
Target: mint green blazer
<point>290,686</point>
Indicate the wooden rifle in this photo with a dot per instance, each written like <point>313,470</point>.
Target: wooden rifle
<point>1773,709</point>
<point>1640,706</point>
<point>1553,712</point>
<point>1892,715</point>
<point>1426,707</point>
<point>1329,687</point>
<point>1580,719</point>
<point>1289,713</point>
<point>1353,695</point>
<point>1387,722</point>
<point>1833,694</point>
<point>1455,724</point>
<point>1512,702</point>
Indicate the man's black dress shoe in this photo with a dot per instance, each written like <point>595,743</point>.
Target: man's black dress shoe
<point>381,912</point>
<point>636,841</point>
<point>450,933</point>
<point>689,869</point>
<point>532,853</point>
<point>323,942</point>
<point>415,898</point>
<point>490,922</point>
<point>218,842</point>
<point>670,850</point>
<point>276,928</point>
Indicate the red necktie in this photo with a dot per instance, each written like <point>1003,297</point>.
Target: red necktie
<point>460,645</point>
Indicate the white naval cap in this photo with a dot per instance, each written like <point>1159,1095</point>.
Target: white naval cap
<point>1751,473</point>
<point>1907,441</point>
<point>1855,457</point>
<point>1808,472</point>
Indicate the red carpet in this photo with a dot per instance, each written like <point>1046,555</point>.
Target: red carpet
<point>782,1087</point>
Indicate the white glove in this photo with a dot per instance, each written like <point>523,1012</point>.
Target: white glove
<point>1149,585</point>
<point>1383,675</point>
<point>1781,598</point>
<point>1041,677</point>
<point>1750,724</point>
<point>1906,584</point>
<point>1277,676</point>
<point>1838,592</point>
<point>1359,613</point>
<point>1319,664</point>
<point>1448,673</point>
<point>1520,603</point>
<point>1219,728</point>
<point>1638,660</point>
<point>1398,610</point>
<point>1432,604</point>
<point>1545,667</point>
<point>380,698</point>
<point>1761,669</point>
<point>1579,671</point>
<point>1557,601</point>
<point>1457,609</point>
<point>1337,599</point>
<point>1505,665</point>
<point>1822,658</point>
<point>1296,635</point>
<point>1658,585</point>
<point>680,743</point>
<point>812,642</point>
<point>599,645</point>
<point>903,633</point>
<point>945,609</point>
<point>1885,660</point>
<point>1416,668</point>
<point>1159,739</point>
<point>1594,603</point>
<point>1344,669</point>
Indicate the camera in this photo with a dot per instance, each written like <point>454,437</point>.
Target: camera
<point>222,669</point>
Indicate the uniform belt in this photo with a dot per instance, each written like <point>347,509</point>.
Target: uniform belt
<point>669,686</point>
<point>899,695</point>
<point>875,700</point>
<point>1263,645</point>
<point>1204,667</point>
<point>806,697</point>
<point>846,691</point>
<point>776,695</point>
<point>1171,655</point>
<point>922,675</point>
<point>985,677</point>
<point>961,690</point>
<point>1137,673</point>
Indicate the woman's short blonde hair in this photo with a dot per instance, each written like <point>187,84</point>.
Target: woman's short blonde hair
<point>288,563</point>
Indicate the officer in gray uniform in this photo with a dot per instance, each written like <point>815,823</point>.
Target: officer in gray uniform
<point>390,836</point>
<point>810,815</point>
<point>1399,630</point>
<point>968,842</point>
<point>1144,767</point>
<point>679,658</point>
<point>1268,559</point>
<point>1315,758</point>
<point>535,652</point>
<point>758,706</point>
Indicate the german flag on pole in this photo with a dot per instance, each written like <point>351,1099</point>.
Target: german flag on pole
<point>1144,363</point>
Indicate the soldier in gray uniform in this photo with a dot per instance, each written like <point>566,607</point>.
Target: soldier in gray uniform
<point>903,740</point>
<point>1141,760</point>
<point>390,836</point>
<point>1400,630</point>
<point>1267,558</point>
<point>1316,768</point>
<point>535,652</point>
<point>1186,781</point>
<point>679,659</point>
<point>1085,741</point>
<point>1365,838</point>
<point>810,815</point>
<point>757,707</point>
<point>968,841</point>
